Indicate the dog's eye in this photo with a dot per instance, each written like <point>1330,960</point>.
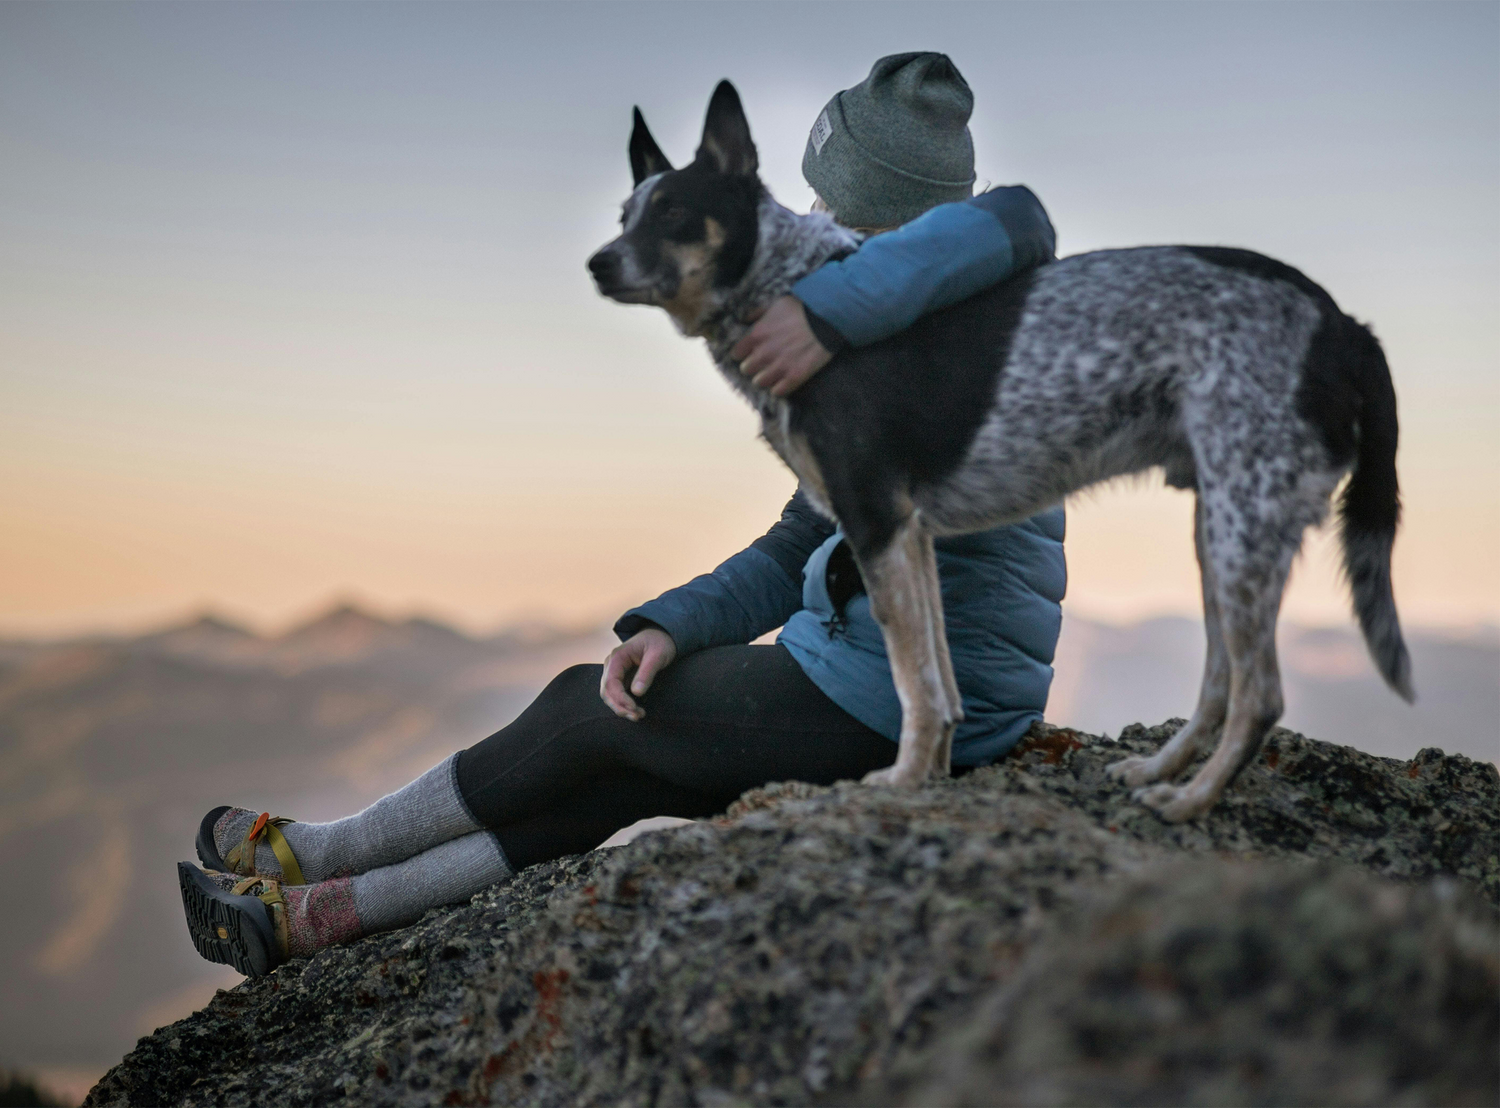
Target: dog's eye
<point>675,215</point>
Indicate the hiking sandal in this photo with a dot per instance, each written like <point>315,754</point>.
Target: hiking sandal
<point>243,925</point>
<point>241,859</point>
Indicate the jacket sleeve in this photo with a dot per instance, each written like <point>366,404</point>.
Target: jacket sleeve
<point>939,258</point>
<point>753,592</point>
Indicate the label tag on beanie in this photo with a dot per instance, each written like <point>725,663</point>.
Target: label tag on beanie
<point>820,132</point>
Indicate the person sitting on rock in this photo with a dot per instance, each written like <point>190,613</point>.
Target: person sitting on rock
<point>688,712</point>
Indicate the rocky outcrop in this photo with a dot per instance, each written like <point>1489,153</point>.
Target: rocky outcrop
<point>1023,934</point>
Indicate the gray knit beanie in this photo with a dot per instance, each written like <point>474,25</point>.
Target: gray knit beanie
<point>895,144</point>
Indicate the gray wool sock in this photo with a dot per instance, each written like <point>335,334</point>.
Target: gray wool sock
<point>398,895</point>
<point>414,818</point>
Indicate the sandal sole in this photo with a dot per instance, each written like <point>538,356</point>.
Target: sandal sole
<point>208,853</point>
<point>231,930</point>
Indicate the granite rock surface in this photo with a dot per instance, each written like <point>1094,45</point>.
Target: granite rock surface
<point>1023,934</point>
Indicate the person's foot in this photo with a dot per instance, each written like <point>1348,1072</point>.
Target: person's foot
<point>256,923</point>
<point>236,929</point>
<point>242,842</point>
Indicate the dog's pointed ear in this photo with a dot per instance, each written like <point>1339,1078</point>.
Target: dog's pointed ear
<point>646,158</point>
<point>726,134</point>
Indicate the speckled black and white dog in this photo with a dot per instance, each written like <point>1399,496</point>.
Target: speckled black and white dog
<point>1234,373</point>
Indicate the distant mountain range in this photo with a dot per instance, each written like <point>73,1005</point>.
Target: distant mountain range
<point>111,750</point>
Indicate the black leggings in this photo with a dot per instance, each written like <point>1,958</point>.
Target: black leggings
<point>569,772</point>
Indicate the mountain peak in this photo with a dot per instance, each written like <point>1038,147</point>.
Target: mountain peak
<point>206,635</point>
<point>344,617</point>
<point>344,633</point>
<point>211,621</point>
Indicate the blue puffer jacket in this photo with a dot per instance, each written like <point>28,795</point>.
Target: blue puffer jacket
<point>1002,589</point>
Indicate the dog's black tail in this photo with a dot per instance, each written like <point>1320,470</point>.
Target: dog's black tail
<point>1370,510</point>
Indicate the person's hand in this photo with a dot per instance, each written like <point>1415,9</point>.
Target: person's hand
<point>780,353</point>
<point>646,653</point>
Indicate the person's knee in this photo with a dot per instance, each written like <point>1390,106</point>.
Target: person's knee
<point>577,687</point>
<point>571,698</point>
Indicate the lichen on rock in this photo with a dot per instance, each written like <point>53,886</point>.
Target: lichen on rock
<point>1021,934</point>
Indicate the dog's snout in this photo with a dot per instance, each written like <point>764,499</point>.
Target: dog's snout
<point>605,267</point>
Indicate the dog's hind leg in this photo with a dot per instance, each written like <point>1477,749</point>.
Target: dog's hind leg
<point>1213,696</point>
<point>1251,560</point>
<point>905,599</point>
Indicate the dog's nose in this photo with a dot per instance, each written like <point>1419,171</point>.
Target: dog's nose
<point>605,266</point>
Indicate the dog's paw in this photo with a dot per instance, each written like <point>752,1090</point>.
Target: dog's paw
<point>896,777</point>
<point>1135,771</point>
<point>1173,803</point>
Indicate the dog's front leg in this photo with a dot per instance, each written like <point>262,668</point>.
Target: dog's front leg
<point>942,755</point>
<point>904,593</point>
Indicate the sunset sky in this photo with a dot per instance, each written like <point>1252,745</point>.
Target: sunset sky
<point>293,302</point>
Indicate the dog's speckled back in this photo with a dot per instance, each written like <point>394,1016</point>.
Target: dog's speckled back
<point>1118,356</point>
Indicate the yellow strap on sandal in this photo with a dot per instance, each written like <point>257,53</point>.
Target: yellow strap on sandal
<point>241,859</point>
<point>270,896</point>
<point>290,870</point>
